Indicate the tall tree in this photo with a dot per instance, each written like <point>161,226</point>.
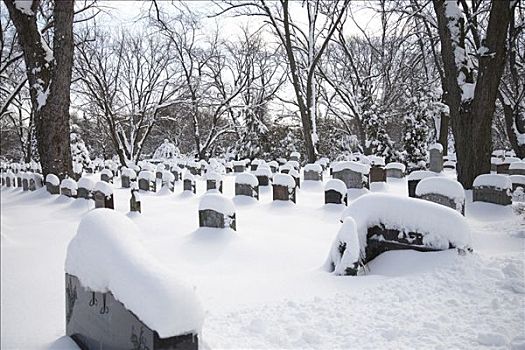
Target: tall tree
<point>472,101</point>
<point>49,75</point>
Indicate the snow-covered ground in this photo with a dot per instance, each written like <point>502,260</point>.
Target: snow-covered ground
<point>263,287</point>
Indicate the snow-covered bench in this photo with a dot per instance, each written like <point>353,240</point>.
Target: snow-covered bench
<point>492,188</point>
<point>119,296</point>
<point>313,172</point>
<point>444,191</point>
<point>353,174</point>
<point>375,223</point>
<point>103,195</point>
<point>247,184</point>
<point>283,187</point>
<point>216,211</point>
<point>52,184</point>
<point>335,192</point>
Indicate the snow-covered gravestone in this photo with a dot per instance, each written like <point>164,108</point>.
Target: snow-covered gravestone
<point>274,166</point>
<point>194,168</point>
<point>213,181</point>
<point>168,180</point>
<point>127,175</point>
<point>188,182</point>
<point>119,296</point>
<point>388,222</point>
<point>85,186</point>
<point>449,164</point>
<point>344,257</point>
<point>444,191</point>
<point>283,187</point>
<point>247,184</point>
<point>353,174</point>
<point>377,174</point>
<point>517,181</point>
<point>503,167</point>
<point>134,202</point>
<point>147,181</point>
<point>295,156</point>
<point>492,188</point>
<point>335,192</point>
<point>68,188</point>
<point>285,169</point>
<point>25,180</point>
<point>296,176</point>
<point>216,211</point>
<point>313,172</point>
<point>263,174</point>
<point>229,167</point>
<point>176,171</point>
<point>254,164</point>
<point>239,166</point>
<point>52,184</point>
<point>160,168</point>
<point>103,195</point>
<point>517,168</point>
<point>106,175</point>
<point>436,157</point>
<point>415,177</point>
<point>35,182</point>
<point>395,170</point>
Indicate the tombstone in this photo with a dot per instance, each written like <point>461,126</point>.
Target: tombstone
<point>517,181</point>
<point>263,174</point>
<point>52,184</point>
<point>177,172</point>
<point>106,175</point>
<point>85,186</point>
<point>25,182</point>
<point>147,181</point>
<point>68,188</point>
<point>353,174</point>
<point>335,192</point>
<point>239,166</point>
<point>247,185</point>
<point>19,180</point>
<point>2,179</point>
<point>395,170</point>
<point>213,181</point>
<point>296,176</point>
<point>517,168</point>
<point>377,174</point>
<point>102,200</point>
<point>274,166</point>
<point>285,169</point>
<point>134,202</point>
<point>444,191</point>
<point>188,184</point>
<point>127,176</point>
<point>449,164</point>
<point>295,156</point>
<point>216,211</point>
<point>415,177</point>
<point>229,167</point>
<point>35,182</point>
<point>313,172</point>
<point>284,188</point>
<point>492,188</point>
<point>8,181</point>
<point>436,158</point>
<point>254,164</point>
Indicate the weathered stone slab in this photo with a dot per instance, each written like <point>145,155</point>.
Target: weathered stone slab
<point>215,219</point>
<point>491,195</point>
<point>53,189</point>
<point>247,190</point>
<point>313,175</point>
<point>212,185</point>
<point>444,200</point>
<point>377,174</point>
<point>436,160</point>
<point>188,185</point>
<point>334,197</point>
<point>283,193</point>
<point>352,179</point>
<point>103,201</point>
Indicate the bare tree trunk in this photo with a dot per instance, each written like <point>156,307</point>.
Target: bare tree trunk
<point>472,117</point>
<point>49,75</point>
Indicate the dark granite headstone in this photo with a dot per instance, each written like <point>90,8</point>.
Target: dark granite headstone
<point>125,181</point>
<point>313,175</point>
<point>263,180</point>
<point>134,203</point>
<point>25,184</point>
<point>412,184</point>
<point>212,218</point>
<point>103,201</point>
<point>106,178</point>
<point>377,174</point>
<point>146,185</point>
<point>239,168</point>
<point>502,168</point>
<point>491,195</point>
<point>19,181</point>
<point>444,200</point>
<point>516,171</point>
<point>395,173</point>
<point>212,185</point>
<point>283,193</point>
<point>83,193</point>
<point>334,197</point>
<point>52,188</point>
<point>188,185</point>
<point>436,160</point>
<point>247,190</point>
<point>352,179</point>
<point>98,321</point>
<point>67,192</point>
<point>8,181</point>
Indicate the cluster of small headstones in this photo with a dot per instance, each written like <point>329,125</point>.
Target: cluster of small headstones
<point>28,176</point>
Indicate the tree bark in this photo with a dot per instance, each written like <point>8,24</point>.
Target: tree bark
<point>471,119</point>
<point>49,75</point>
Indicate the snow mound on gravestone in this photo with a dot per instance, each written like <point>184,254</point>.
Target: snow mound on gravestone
<point>438,224</point>
<point>517,165</point>
<point>396,165</point>
<point>107,255</point>
<point>247,179</point>
<point>103,187</point>
<point>218,203</point>
<point>441,185</point>
<point>347,237</point>
<point>107,172</point>
<point>85,182</point>
<point>498,181</point>
<point>129,173</point>
<point>313,167</point>
<point>422,174</point>
<point>147,175</point>
<point>351,165</point>
<point>336,185</point>
<point>70,184</point>
<point>437,146</point>
<point>213,176</point>
<point>284,180</point>
<point>51,178</point>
